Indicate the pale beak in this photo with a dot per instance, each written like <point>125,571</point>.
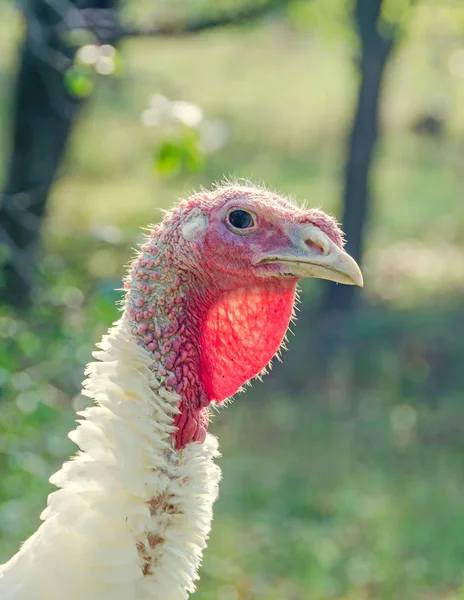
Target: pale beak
<point>314,254</point>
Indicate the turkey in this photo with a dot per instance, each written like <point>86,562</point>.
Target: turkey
<point>207,305</point>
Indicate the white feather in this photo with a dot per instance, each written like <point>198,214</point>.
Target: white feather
<point>133,515</point>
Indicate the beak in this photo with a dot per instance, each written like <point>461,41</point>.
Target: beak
<point>314,254</point>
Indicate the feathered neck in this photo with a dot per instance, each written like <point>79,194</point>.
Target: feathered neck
<point>163,309</point>
<point>133,514</point>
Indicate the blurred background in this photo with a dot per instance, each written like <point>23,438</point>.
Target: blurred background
<point>344,470</point>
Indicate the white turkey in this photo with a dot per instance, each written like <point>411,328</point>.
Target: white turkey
<point>208,302</point>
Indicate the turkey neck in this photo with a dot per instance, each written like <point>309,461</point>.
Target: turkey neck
<point>165,306</point>
<point>208,332</point>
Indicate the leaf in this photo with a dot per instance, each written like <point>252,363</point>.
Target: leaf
<point>79,81</point>
<point>181,153</point>
<point>169,158</point>
<point>193,154</point>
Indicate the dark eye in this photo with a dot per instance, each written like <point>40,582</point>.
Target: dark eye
<point>241,219</point>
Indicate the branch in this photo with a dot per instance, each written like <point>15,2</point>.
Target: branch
<point>179,29</point>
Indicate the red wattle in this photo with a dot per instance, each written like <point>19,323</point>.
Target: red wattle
<point>242,332</point>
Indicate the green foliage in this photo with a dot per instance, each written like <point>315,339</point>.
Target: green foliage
<point>90,61</point>
<point>80,80</point>
<point>42,356</point>
<point>180,153</point>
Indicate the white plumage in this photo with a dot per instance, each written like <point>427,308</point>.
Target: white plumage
<point>128,503</point>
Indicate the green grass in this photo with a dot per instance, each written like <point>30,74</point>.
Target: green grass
<point>320,505</point>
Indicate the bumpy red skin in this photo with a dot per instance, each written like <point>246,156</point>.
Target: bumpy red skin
<point>209,319</point>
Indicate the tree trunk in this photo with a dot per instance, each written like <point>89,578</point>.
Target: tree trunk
<point>43,116</point>
<point>375,51</point>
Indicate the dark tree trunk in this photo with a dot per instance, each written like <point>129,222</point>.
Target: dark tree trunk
<point>43,116</point>
<point>375,51</point>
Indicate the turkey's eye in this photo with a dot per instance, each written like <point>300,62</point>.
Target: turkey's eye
<point>241,219</point>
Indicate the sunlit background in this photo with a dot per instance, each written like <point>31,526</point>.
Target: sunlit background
<point>344,471</point>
